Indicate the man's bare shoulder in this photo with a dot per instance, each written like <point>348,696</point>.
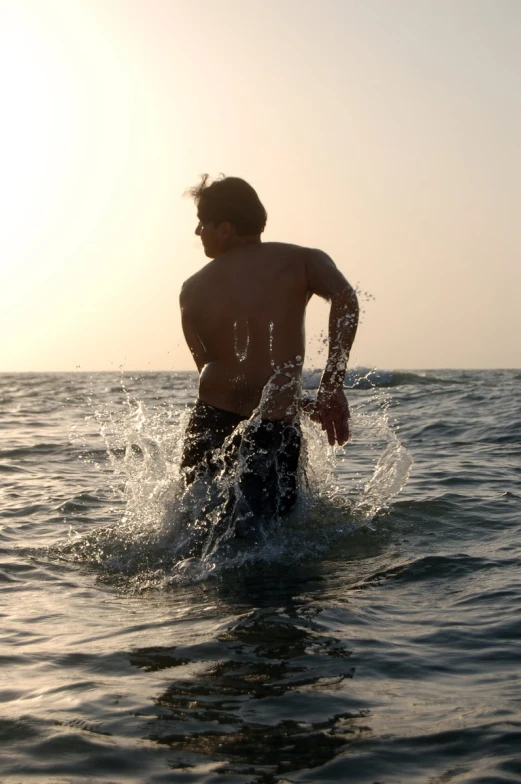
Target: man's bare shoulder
<point>315,266</point>
<point>298,255</point>
<point>301,253</point>
<point>192,284</point>
<point>291,249</point>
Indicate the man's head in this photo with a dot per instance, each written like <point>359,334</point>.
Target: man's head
<point>230,214</point>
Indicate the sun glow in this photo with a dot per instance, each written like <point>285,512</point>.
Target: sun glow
<point>388,139</point>
<point>64,139</point>
<point>29,145</point>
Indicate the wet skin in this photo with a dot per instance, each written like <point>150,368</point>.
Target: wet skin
<point>243,319</point>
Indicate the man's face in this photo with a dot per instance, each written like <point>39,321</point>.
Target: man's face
<point>209,237</point>
<point>215,239</point>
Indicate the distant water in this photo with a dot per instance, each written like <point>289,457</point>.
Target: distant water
<point>376,637</point>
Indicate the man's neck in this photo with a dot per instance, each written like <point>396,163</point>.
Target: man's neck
<point>243,242</point>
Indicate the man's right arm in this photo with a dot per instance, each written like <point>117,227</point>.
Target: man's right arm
<point>325,280</point>
<point>192,338</point>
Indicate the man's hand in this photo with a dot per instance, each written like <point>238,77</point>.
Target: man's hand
<point>332,412</point>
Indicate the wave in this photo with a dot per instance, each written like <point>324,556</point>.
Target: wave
<point>433,567</point>
<point>362,378</point>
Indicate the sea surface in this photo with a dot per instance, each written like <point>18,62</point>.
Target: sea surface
<point>374,638</point>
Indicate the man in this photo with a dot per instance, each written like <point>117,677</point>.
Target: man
<point>243,319</point>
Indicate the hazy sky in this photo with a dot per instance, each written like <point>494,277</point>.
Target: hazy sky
<point>386,132</point>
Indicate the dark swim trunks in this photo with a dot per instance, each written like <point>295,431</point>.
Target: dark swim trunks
<point>266,451</point>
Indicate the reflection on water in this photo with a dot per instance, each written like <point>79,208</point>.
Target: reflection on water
<point>269,691</point>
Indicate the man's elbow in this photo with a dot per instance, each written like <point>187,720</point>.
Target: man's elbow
<point>347,297</point>
<point>353,310</point>
<point>353,298</point>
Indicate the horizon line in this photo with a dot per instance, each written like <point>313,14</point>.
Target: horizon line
<point>80,371</point>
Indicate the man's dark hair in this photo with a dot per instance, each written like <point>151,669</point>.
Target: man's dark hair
<point>229,199</point>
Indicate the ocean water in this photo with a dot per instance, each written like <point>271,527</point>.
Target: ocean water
<point>375,638</point>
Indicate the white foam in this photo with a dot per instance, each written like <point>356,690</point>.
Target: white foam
<point>147,546</point>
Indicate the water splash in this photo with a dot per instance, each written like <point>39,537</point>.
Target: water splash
<point>152,544</point>
<point>241,339</point>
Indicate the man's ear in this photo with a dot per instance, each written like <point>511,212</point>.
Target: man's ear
<point>226,230</point>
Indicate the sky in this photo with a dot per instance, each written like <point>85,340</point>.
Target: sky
<point>385,132</point>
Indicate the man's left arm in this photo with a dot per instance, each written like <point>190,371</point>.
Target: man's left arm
<point>328,282</point>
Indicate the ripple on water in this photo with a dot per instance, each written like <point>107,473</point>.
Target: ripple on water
<point>336,653</point>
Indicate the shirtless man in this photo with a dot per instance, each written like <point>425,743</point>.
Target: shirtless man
<point>243,319</point>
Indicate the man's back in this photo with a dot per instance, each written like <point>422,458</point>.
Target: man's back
<point>243,319</point>
<point>243,315</point>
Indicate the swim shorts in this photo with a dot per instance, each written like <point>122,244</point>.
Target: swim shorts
<point>266,453</point>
